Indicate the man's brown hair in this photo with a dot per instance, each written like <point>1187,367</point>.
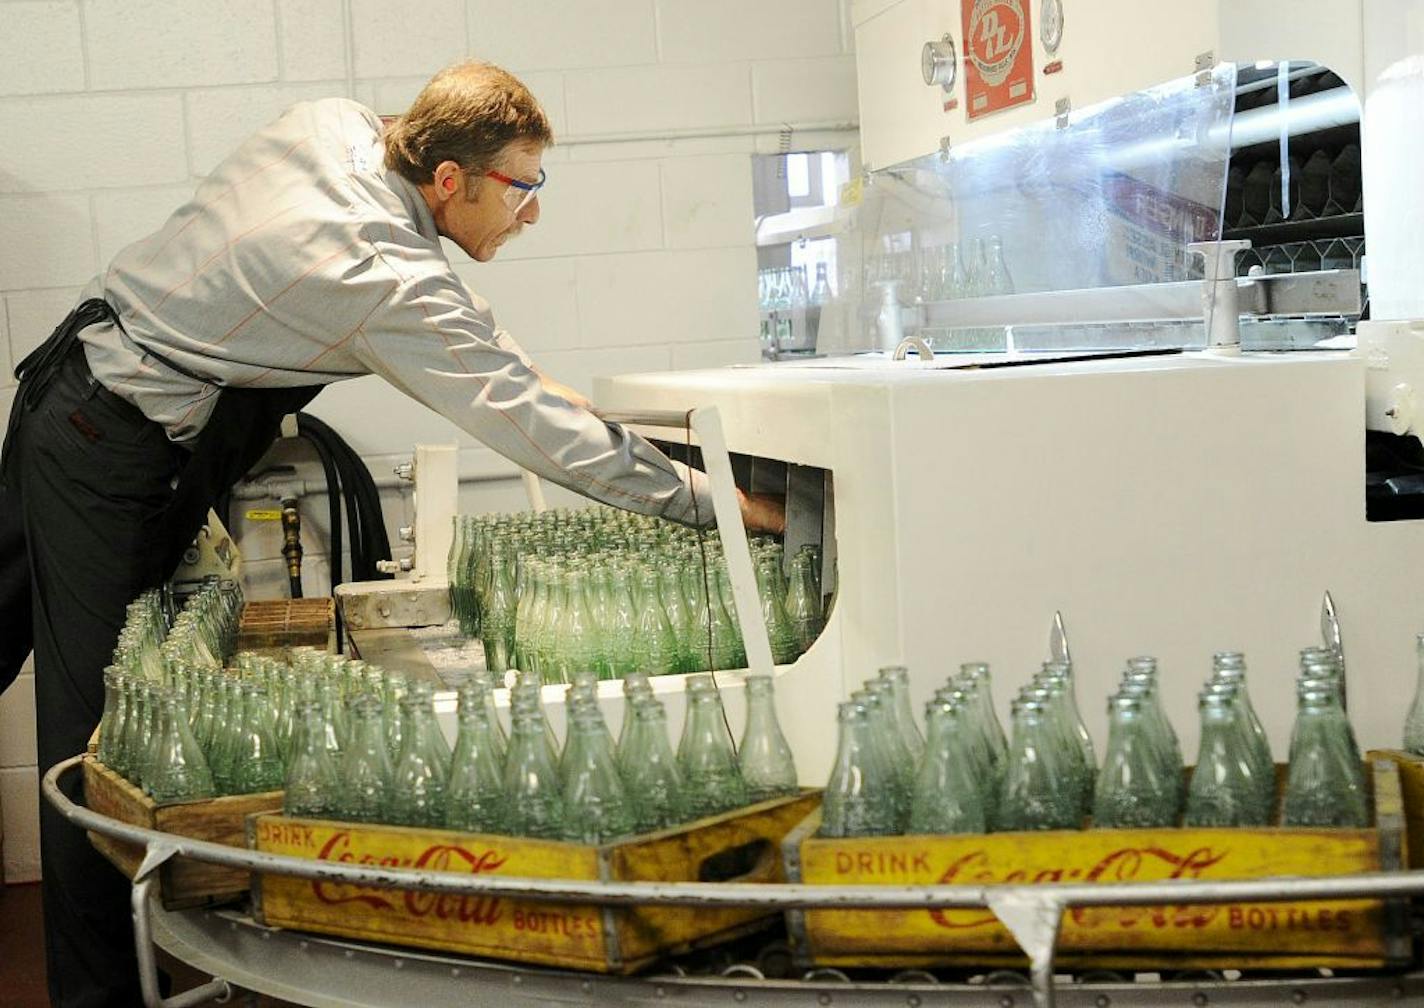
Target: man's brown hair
<point>468,114</point>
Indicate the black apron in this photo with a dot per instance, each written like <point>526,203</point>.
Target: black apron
<point>243,424</point>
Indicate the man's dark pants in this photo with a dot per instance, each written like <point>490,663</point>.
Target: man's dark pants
<point>83,511</point>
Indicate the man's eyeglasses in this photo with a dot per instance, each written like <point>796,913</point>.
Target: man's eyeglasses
<point>519,193</point>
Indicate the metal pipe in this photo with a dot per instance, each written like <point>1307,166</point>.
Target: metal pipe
<point>148,967</point>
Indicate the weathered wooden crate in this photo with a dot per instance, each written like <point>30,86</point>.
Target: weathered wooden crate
<point>1411,786</point>
<point>737,846</point>
<point>273,625</point>
<point>182,882</point>
<point>1358,933</point>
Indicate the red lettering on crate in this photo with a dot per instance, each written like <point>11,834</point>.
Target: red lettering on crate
<point>1269,918</point>
<point>881,862</point>
<point>466,909</point>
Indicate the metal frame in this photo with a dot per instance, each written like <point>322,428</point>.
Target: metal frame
<point>1031,912</point>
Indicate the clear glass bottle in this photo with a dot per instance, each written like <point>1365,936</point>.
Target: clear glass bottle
<point>533,793</point>
<point>1230,667</point>
<point>1414,719</point>
<point>903,714</point>
<point>596,807</point>
<point>655,648</point>
<point>179,772</point>
<point>1056,671</point>
<point>577,635</point>
<point>712,780</point>
<point>474,796</point>
<point>1132,789</point>
<point>893,748</point>
<point>420,771</point>
<point>365,765</point>
<point>1325,784</point>
<point>620,634</point>
<point>1225,788</point>
<point>946,798</point>
<point>779,629</point>
<point>821,291</point>
<point>312,784</point>
<point>858,799</point>
<point>497,615</point>
<point>803,602</point>
<point>764,756</point>
<point>975,679</point>
<point>257,758</point>
<point>1036,793</point>
<point>654,784</point>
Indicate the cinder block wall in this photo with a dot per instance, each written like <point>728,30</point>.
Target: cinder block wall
<point>643,259</point>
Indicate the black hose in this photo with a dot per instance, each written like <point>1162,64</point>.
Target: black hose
<point>369,542</point>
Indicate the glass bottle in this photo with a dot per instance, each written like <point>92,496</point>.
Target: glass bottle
<point>1055,670</point>
<point>803,602</point>
<point>534,804</point>
<point>975,750</point>
<point>596,807</point>
<point>1325,785</point>
<point>418,777</point>
<point>675,610</point>
<point>1036,793</point>
<point>135,739</point>
<point>179,771</point>
<point>946,798</point>
<point>312,780</point>
<point>620,631</point>
<point>654,785</point>
<point>857,800</point>
<point>256,758</point>
<point>1132,789</point>
<point>654,650</point>
<point>893,748</point>
<point>577,636</point>
<point>1049,690</point>
<point>728,649</point>
<point>1225,789</point>
<point>111,723</point>
<point>975,679</point>
<point>898,676</point>
<point>497,615</point>
<point>1414,719</point>
<point>1230,667</point>
<point>821,290</point>
<point>474,796</point>
<point>764,757</point>
<point>365,765</point>
<point>996,274</point>
<point>712,781</point>
<point>500,739</point>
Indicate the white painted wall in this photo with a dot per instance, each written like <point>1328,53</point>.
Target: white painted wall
<point>643,259</point>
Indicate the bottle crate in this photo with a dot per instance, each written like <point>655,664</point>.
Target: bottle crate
<point>1411,787</point>
<point>1354,934</point>
<point>182,883</point>
<point>736,846</point>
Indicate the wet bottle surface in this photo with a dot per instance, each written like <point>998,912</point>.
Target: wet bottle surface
<point>1325,783</point>
<point>858,799</point>
<point>312,774</point>
<point>1134,789</point>
<point>1037,792</point>
<point>532,788</point>
<point>474,795</point>
<point>1225,789</point>
<point>946,798</point>
<point>765,758</point>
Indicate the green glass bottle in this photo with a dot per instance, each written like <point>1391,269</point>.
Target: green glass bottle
<point>111,722</point>
<point>654,645</point>
<point>312,784</point>
<point>463,583</point>
<point>697,630</point>
<point>1230,667</point>
<point>1225,788</point>
<point>974,747</point>
<point>1036,793</point>
<point>179,772</point>
<point>803,602</point>
<point>620,633</point>
<point>577,637</point>
<point>858,800</point>
<point>1050,692</point>
<point>1132,789</point>
<point>596,807</point>
<point>650,773</point>
<point>728,646</point>
<point>365,766</point>
<point>257,758</point>
<point>1061,673</point>
<point>712,781</point>
<point>1414,718</point>
<point>500,739</point>
<point>946,798</point>
<point>420,772</point>
<point>600,608</point>
<point>764,757</point>
<point>675,609</point>
<point>906,725</point>
<point>779,629</point>
<point>893,749</point>
<point>474,796</point>
<point>497,615</point>
<point>975,679</point>
<point>534,804</point>
<point>1325,784</point>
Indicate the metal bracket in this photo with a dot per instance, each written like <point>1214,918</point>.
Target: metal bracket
<point>1033,920</point>
<point>944,148</point>
<point>1203,66</point>
<point>1061,110</point>
<point>155,854</point>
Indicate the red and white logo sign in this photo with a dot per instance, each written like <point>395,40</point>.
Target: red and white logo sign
<point>998,56</point>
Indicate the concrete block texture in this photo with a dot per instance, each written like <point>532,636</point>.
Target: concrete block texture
<point>657,98</point>
<point>41,49</point>
<point>536,300</point>
<point>693,31</point>
<point>667,298</point>
<point>49,241</point>
<point>34,314</point>
<point>20,807</point>
<point>178,43</point>
<point>578,368</point>
<point>17,721</point>
<point>594,208</point>
<point>69,143</point>
<point>698,193</point>
<point>221,118</point>
<point>312,36</point>
<point>394,40</point>
<point>558,35</point>
<point>807,90</point>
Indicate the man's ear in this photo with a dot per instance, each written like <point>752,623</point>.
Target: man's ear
<point>447,179</point>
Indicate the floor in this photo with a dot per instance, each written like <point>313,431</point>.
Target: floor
<point>22,970</point>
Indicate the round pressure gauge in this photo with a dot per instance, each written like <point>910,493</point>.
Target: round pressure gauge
<point>1050,25</point>
<point>939,63</point>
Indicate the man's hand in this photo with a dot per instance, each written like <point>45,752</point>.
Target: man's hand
<point>763,512</point>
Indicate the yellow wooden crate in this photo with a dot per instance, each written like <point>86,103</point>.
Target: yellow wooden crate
<point>182,882</point>
<point>1411,786</point>
<point>1358,933</point>
<point>737,846</point>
